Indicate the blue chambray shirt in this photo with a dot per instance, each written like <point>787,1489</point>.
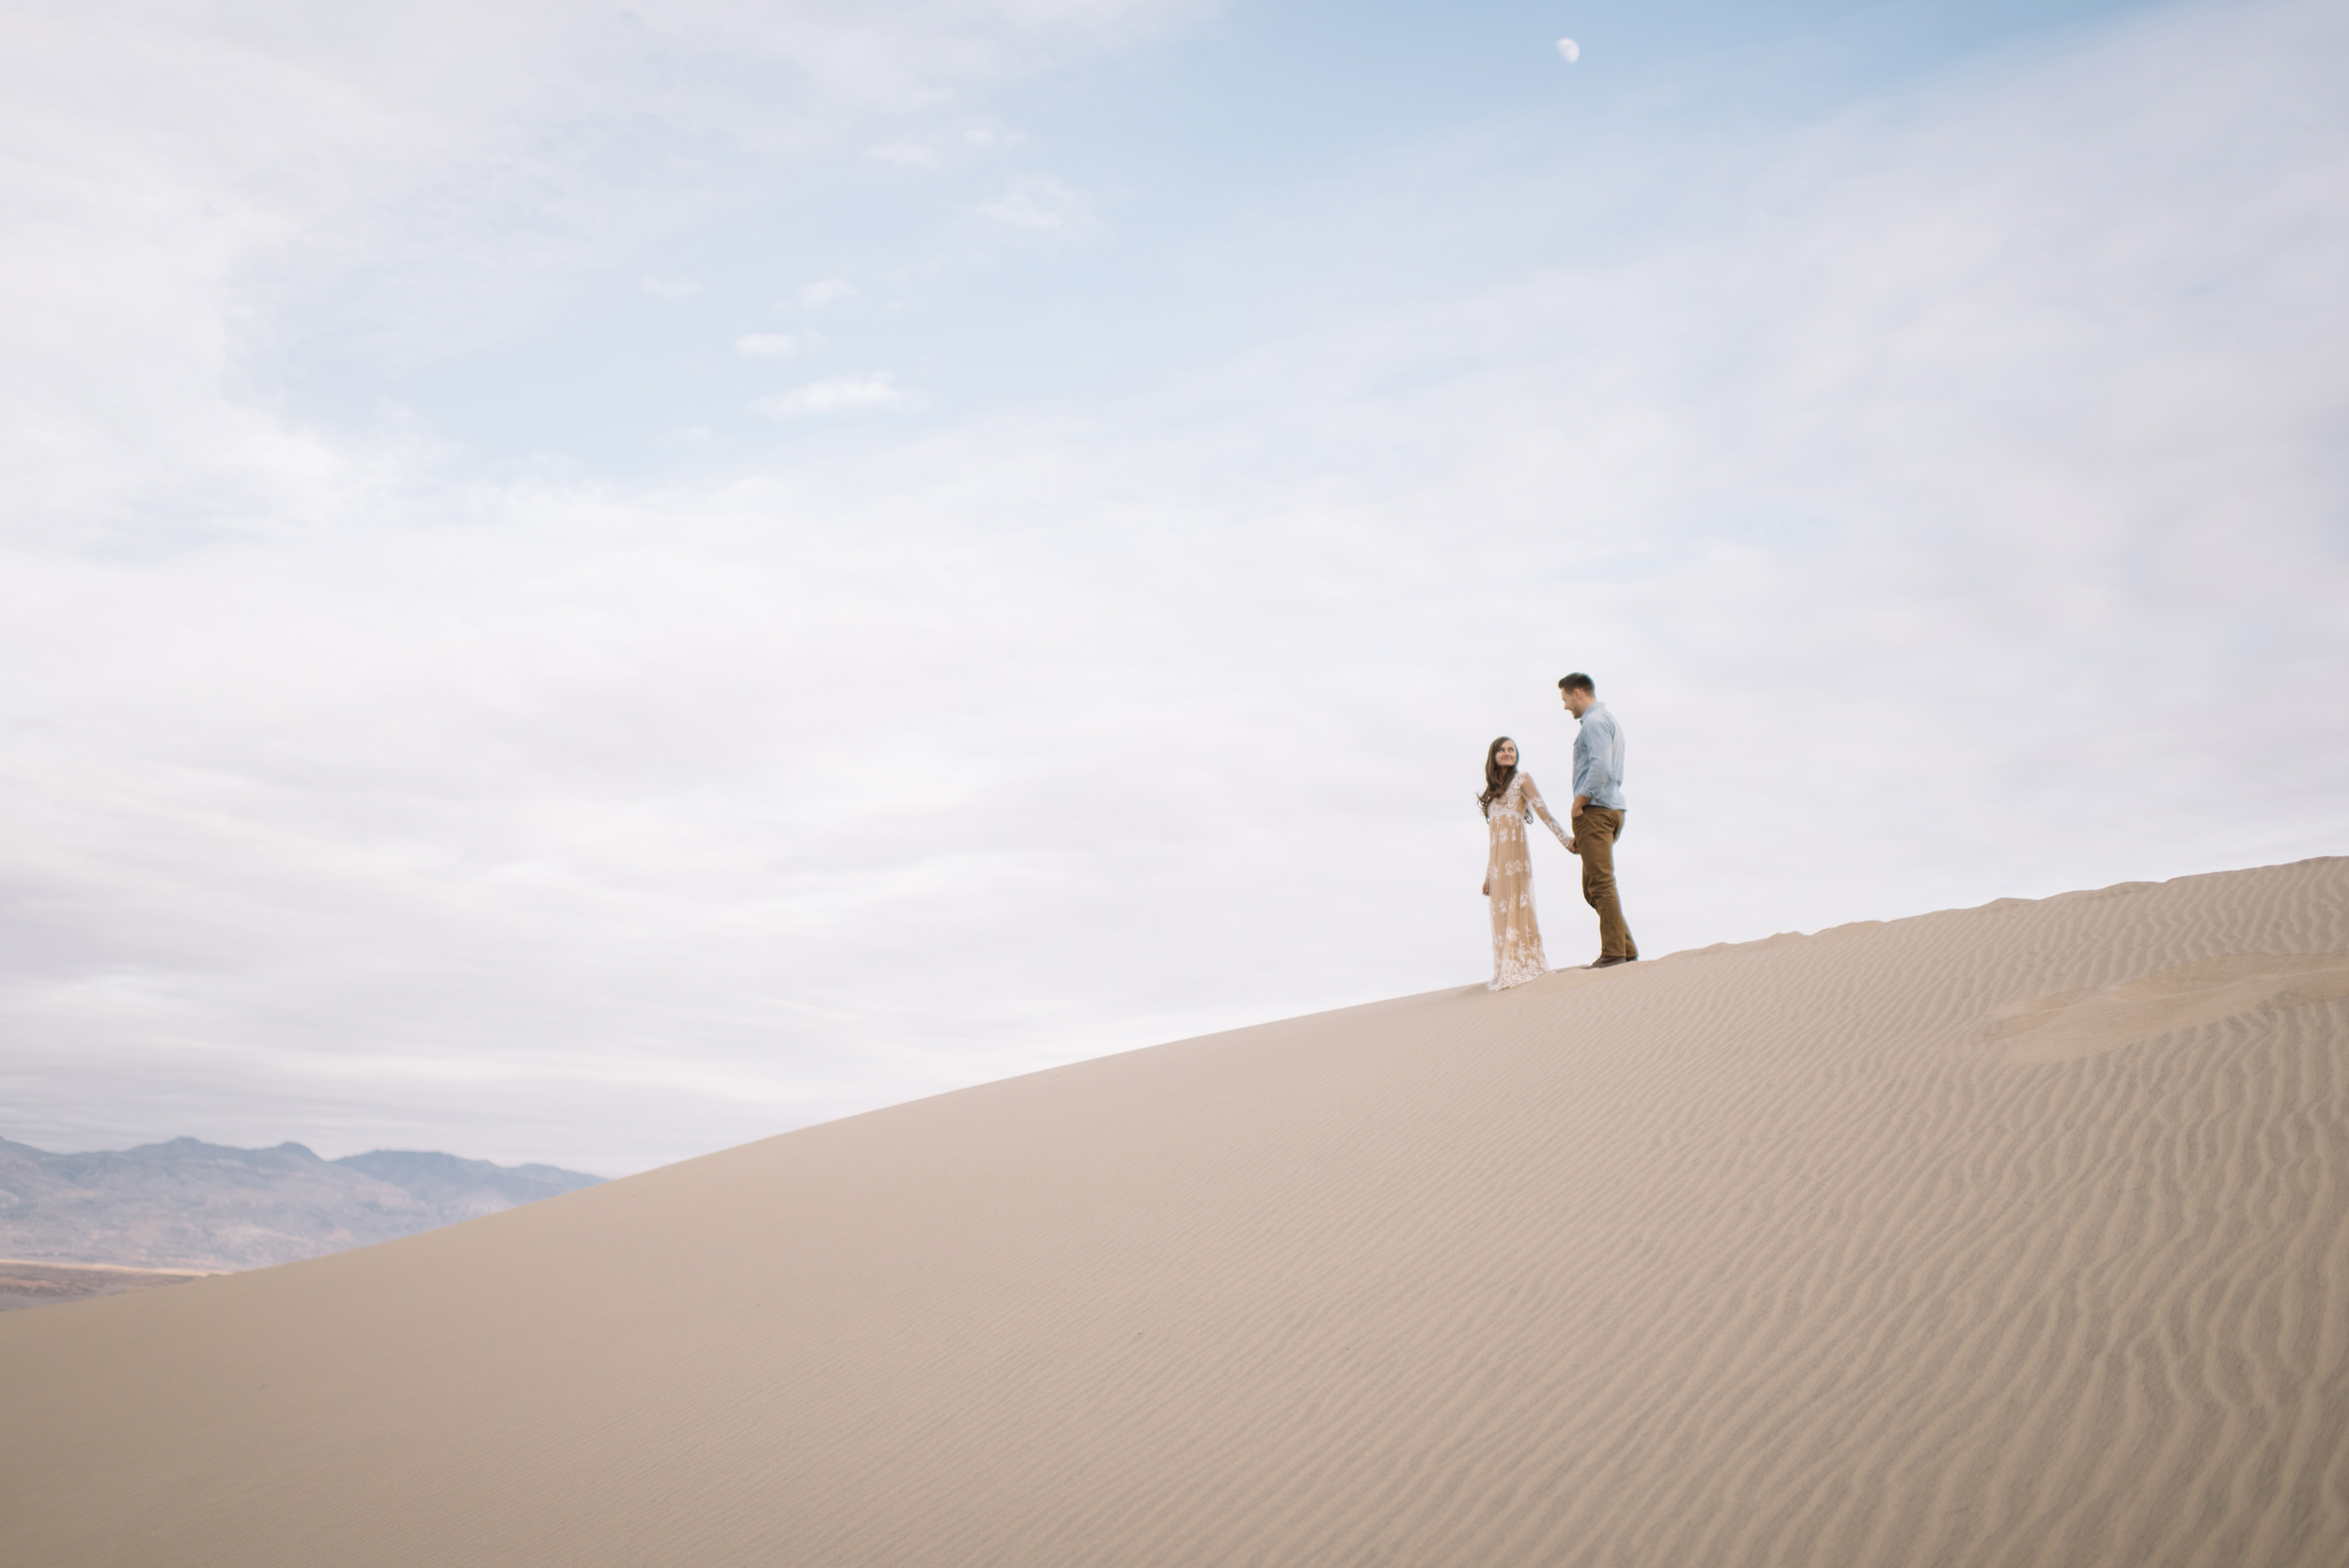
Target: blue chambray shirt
<point>1598,758</point>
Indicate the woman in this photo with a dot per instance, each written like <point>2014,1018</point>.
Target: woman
<point>1509,866</point>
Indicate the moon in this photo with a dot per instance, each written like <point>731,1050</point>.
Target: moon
<point>1569,50</point>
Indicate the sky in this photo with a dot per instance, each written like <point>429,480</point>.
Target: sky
<point>590,586</point>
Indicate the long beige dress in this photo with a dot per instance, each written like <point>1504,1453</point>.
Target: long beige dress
<point>1509,877</point>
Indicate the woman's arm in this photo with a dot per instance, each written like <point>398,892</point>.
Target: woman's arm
<point>1533,804</point>
<point>1487,891</point>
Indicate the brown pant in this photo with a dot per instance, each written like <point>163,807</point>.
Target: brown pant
<point>1594,834</point>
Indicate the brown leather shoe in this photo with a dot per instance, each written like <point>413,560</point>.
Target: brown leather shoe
<point>1608,960</point>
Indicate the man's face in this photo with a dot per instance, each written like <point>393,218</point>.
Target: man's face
<point>1577,702</point>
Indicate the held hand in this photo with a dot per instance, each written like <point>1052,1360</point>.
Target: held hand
<point>1574,847</point>
<point>1488,889</point>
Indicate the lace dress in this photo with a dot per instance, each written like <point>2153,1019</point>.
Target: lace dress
<point>1509,874</point>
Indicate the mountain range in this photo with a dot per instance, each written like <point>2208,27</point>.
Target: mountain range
<point>189,1204</point>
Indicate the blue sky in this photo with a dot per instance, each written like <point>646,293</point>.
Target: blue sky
<point>588,587</point>
<point>1247,172</point>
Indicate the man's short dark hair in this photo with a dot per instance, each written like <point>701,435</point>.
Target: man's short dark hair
<point>1578,682</point>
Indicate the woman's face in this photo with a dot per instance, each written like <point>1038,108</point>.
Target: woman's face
<point>1507,756</point>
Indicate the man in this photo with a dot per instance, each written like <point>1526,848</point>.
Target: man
<point>1597,815</point>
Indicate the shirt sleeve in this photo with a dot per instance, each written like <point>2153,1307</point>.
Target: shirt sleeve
<point>1595,750</point>
<point>1534,803</point>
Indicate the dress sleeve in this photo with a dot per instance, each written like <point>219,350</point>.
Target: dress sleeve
<point>1534,803</point>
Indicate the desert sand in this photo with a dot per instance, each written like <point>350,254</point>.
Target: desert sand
<point>2007,1235</point>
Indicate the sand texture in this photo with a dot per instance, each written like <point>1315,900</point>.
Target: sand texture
<point>2009,1235</point>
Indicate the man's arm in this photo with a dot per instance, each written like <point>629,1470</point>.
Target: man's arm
<point>1594,758</point>
<point>1583,770</point>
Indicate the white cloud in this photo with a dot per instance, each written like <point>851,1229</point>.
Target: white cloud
<point>839,394</point>
<point>671,288</point>
<point>767,346</point>
<point>920,154</point>
<point>1569,51</point>
<point>347,798</point>
<point>193,194</point>
<point>830,291</point>
<point>1037,204</point>
<point>341,179</point>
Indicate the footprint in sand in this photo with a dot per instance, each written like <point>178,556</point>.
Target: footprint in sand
<point>2073,1024</point>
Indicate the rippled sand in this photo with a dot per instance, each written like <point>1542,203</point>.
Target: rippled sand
<point>2016,1235</point>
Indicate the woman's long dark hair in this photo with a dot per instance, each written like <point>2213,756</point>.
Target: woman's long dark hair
<point>1496,777</point>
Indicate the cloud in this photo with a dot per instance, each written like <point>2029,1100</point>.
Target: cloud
<point>214,200</point>
<point>1934,484</point>
<point>1569,51</point>
<point>1035,204</point>
<point>830,291</point>
<point>344,178</point>
<point>916,154</point>
<point>671,288</point>
<point>839,394</point>
<point>767,346</point>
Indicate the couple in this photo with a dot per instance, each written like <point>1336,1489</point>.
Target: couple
<point>1597,818</point>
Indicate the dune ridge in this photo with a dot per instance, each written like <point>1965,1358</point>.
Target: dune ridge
<point>1796,1253</point>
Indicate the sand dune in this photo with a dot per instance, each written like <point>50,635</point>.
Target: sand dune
<point>2010,1235</point>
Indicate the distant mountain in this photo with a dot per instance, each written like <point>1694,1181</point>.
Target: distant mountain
<point>190,1204</point>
